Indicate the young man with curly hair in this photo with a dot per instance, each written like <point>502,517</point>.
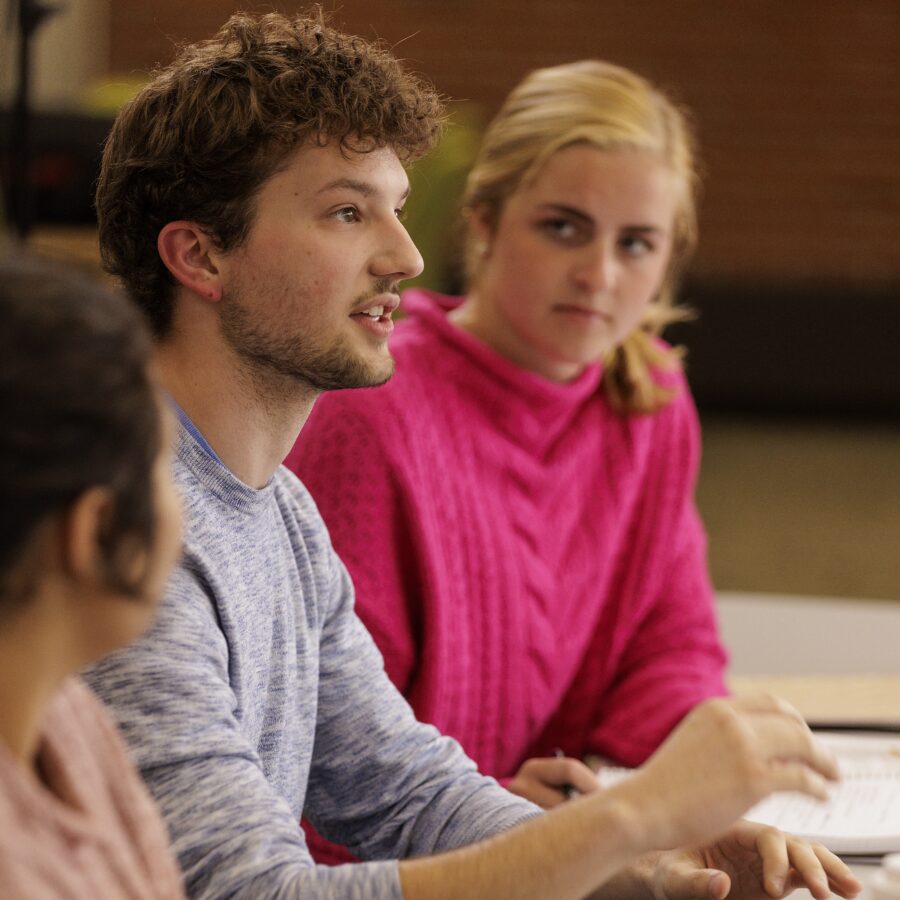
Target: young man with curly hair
<point>250,199</point>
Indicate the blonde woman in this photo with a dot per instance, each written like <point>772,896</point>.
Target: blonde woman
<point>516,505</point>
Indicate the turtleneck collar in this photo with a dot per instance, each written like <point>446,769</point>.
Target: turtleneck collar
<point>531,408</point>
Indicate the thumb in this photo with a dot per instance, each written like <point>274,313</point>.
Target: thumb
<point>684,881</point>
<point>718,884</point>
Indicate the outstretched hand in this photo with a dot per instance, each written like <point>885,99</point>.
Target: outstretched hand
<point>751,862</point>
<point>724,757</point>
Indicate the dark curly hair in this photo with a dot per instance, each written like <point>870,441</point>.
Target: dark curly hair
<point>203,136</point>
<point>78,411</point>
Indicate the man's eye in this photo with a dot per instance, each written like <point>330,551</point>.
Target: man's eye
<point>347,214</point>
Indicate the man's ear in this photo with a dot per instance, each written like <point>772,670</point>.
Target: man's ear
<point>189,254</point>
<point>82,525</point>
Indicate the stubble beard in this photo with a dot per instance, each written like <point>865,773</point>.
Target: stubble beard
<point>318,368</point>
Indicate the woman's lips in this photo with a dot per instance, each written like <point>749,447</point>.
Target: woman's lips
<point>584,313</point>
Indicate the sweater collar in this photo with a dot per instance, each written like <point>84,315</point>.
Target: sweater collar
<point>528,406</point>
<point>216,477</point>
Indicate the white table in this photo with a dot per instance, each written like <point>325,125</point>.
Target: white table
<point>782,634</point>
<point>834,659</point>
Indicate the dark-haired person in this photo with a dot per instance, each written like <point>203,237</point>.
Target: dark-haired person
<point>89,531</point>
<point>250,198</point>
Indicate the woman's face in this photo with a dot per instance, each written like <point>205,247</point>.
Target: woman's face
<point>574,260</point>
<point>127,617</point>
<point>167,508</point>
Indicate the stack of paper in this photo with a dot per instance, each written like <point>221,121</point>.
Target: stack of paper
<point>862,814</point>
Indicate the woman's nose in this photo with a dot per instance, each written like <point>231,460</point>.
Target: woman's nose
<point>597,270</point>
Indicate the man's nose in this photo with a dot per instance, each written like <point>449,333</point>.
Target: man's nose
<point>400,259</point>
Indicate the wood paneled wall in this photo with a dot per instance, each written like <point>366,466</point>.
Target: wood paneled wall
<point>796,103</point>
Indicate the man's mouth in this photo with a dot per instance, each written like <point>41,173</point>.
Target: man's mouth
<point>377,318</point>
<point>379,305</point>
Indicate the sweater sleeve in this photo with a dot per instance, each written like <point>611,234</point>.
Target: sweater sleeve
<point>368,515</point>
<point>382,783</point>
<point>234,835</point>
<point>673,658</point>
<point>364,507</point>
<point>673,661</point>
<point>379,781</point>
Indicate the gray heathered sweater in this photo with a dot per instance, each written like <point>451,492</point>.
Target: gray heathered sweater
<point>258,696</point>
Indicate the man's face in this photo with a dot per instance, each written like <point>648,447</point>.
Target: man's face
<point>310,293</point>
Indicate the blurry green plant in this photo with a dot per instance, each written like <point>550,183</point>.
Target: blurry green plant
<point>106,97</point>
<point>433,213</point>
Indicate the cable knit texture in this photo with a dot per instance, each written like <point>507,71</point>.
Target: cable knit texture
<point>92,831</point>
<point>530,563</point>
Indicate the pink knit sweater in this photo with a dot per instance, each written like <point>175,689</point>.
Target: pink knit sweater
<point>530,563</point>
<point>95,833</point>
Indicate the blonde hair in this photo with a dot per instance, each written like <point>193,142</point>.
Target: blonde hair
<point>611,108</point>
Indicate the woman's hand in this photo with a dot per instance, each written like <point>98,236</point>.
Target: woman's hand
<point>548,781</point>
<point>751,862</point>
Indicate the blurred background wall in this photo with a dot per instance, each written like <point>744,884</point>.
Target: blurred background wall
<point>71,52</point>
<point>796,103</point>
<point>793,357</point>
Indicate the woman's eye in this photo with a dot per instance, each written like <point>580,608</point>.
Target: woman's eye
<point>560,229</point>
<point>347,214</point>
<point>636,246</point>
<point>400,213</point>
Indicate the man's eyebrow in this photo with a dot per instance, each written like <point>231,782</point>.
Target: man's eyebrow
<point>360,187</point>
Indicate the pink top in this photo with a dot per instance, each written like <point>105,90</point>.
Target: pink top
<point>95,832</point>
<point>530,562</point>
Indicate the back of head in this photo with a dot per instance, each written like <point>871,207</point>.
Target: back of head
<point>78,411</point>
<point>201,138</point>
<point>610,108</point>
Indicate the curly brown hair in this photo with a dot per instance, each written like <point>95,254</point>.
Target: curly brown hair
<point>209,130</point>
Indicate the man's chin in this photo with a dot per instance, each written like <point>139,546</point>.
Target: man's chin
<point>359,376</point>
<point>378,376</point>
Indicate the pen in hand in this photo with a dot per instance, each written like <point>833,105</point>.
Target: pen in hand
<point>567,790</point>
